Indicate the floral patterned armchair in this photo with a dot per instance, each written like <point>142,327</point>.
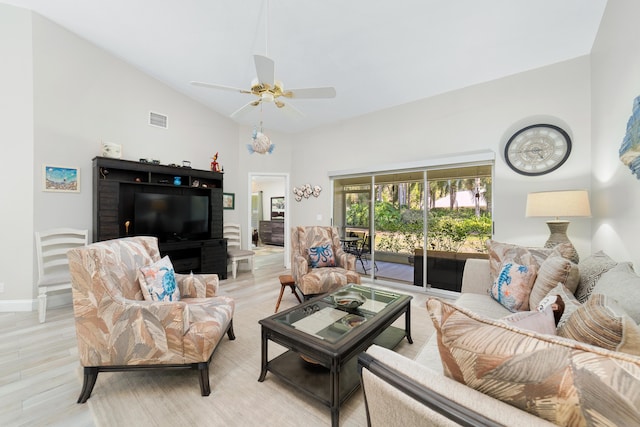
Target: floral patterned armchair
<point>312,277</point>
<point>118,329</point>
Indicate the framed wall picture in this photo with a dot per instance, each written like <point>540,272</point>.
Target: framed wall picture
<point>60,179</point>
<point>228,200</point>
<point>277,208</point>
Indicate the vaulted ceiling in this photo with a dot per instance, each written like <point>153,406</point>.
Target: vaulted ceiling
<point>377,54</point>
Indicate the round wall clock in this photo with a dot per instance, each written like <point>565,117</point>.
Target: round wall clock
<point>537,149</point>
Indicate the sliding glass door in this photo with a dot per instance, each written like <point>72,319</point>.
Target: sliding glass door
<point>388,219</point>
<point>399,226</point>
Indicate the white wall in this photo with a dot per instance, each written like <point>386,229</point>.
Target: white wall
<point>74,96</point>
<point>16,136</point>
<point>478,117</point>
<point>615,64</point>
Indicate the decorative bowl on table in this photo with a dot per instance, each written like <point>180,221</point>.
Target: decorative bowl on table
<point>352,320</point>
<point>348,299</point>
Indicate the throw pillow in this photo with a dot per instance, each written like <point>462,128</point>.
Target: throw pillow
<point>601,321</point>
<point>555,303</point>
<point>322,256</point>
<point>571,304</point>
<point>159,281</point>
<point>591,269</point>
<point>563,381</point>
<point>555,269</point>
<point>622,284</point>
<point>513,285</point>
<point>500,252</point>
<point>541,322</point>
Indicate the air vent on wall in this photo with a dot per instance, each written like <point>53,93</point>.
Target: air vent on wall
<point>158,120</point>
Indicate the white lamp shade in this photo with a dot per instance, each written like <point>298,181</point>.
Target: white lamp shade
<point>558,204</point>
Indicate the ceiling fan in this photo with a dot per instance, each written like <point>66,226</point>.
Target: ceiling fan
<point>267,89</point>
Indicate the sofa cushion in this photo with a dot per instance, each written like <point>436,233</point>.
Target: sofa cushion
<point>483,305</point>
<point>555,269</point>
<point>557,379</point>
<point>541,322</point>
<point>322,256</point>
<point>500,252</point>
<point>591,269</point>
<point>622,284</point>
<point>513,285</point>
<point>159,281</point>
<point>602,322</point>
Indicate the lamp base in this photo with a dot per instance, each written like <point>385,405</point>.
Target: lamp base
<point>558,229</point>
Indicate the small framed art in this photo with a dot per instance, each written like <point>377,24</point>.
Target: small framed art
<point>61,179</point>
<point>228,201</point>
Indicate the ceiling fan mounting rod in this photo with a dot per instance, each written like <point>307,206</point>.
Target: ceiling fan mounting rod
<point>266,29</point>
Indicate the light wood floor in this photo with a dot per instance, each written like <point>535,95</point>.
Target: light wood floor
<point>39,367</point>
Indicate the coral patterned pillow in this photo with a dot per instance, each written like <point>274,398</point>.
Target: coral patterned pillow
<point>159,282</point>
<point>322,256</point>
<point>513,286</point>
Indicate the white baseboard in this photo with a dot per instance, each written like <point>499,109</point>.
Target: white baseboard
<point>53,301</point>
<point>17,305</point>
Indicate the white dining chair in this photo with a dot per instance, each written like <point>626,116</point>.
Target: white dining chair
<point>53,266</point>
<point>235,253</point>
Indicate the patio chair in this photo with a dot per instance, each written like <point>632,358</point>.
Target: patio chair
<point>363,250</point>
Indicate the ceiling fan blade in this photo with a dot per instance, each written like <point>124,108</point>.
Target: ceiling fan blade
<point>311,92</point>
<point>290,109</point>
<point>265,69</point>
<point>214,86</point>
<point>245,108</point>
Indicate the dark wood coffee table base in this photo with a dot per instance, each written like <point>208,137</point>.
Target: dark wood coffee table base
<point>335,378</point>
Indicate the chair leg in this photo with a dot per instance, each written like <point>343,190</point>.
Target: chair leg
<point>280,297</point>
<point>42,304</point>
<point>203,371</point>
<point>230,333</point>
<point>90,377</point>
<point>362,262</point>
<point>293,291</point>
<point>251,265</point>
<point>234,268</point>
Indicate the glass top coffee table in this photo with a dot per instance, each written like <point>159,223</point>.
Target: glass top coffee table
<point>324,338</point>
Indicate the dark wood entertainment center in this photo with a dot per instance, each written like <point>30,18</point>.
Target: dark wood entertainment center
<point>115,183</point>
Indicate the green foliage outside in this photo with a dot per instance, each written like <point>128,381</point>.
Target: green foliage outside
<point>400,230</point>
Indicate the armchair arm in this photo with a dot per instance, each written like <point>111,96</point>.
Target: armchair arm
<point>131,332</point>
<point>344,259</point>
<point>197,285</point>
<point>299,267</point>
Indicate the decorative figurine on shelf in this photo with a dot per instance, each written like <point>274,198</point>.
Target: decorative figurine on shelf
<point>215,166</point>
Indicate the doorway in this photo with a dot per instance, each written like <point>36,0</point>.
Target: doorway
<point>268,216</point>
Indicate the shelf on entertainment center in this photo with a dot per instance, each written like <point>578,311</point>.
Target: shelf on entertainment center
<point>115,185</point>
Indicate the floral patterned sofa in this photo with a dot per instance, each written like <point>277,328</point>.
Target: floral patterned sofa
<point>483,367</point>
<point>123,322</point>
<point>318,263</point>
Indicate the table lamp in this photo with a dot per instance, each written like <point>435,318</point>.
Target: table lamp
<point>568,203</point>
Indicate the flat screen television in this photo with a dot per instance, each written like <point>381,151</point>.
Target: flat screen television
<point>171,217</point>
